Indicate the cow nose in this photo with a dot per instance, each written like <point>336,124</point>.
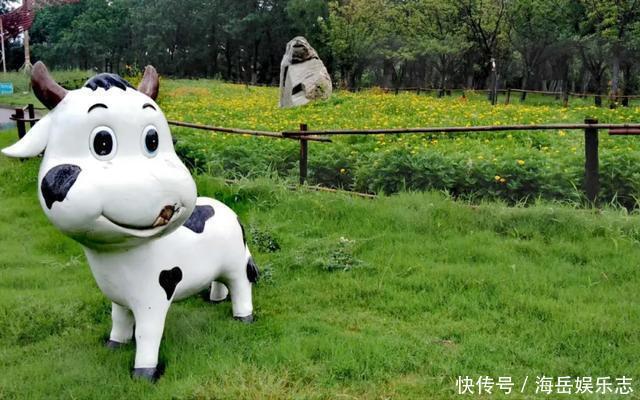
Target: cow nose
<point>165,216</point>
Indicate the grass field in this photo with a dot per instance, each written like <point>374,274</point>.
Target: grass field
<point>372,299</point>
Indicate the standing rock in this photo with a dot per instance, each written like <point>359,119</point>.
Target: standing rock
<point>303,76</point>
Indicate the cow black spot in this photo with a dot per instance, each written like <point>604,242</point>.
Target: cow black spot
<point>56,183</point>
<point>253,274</point>
<point>198,218</point>
<point>169,279</point>
<point>244,239</point>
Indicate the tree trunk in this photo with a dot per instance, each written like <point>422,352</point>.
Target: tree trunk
<point>597,79</point>
<point>615,79</point>
<point>387,73</point>
<point>523,85</point>
<point>626,86</point>
<point>227,53</point>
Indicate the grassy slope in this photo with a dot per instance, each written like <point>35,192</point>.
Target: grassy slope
<point>444,289</point>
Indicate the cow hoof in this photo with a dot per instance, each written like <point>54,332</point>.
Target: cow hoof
<point>249,319</point>
<point>147,374</point>
<point>113,345</point>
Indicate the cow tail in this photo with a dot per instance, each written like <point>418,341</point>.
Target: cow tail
<point>253,273</point>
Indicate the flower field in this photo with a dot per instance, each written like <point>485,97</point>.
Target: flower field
<point>516,167</point>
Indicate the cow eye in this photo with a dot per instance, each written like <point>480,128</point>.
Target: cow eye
<point>150,141</point>
<point>103,143</point>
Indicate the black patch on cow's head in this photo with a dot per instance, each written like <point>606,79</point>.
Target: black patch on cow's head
<point>107,81</point>
<point>169,279</point>
<point>56,183</point>
<point>244,238</point>
<point>198,218</point>
<point>253,273</point>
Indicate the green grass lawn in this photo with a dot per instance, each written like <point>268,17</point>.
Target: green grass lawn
<point>388,298</point>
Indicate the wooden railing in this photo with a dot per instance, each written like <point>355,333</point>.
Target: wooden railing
<point>304,135</point>
<point>591,129</point>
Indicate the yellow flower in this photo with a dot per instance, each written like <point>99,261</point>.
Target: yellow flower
<point>502,180</point>
<point>497,177</point>
<point>520,162</point>
<point>342,170</point>
<point>562,133</point>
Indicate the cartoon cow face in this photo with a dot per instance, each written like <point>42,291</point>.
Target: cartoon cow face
<point>109,176</point>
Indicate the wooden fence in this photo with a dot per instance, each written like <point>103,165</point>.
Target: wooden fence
<point>564,96</point>
<point>304,135</point>
<point>590,127</point>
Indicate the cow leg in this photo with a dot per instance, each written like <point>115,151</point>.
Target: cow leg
<point>149,328</point>
<point>122,326</point>
<point>240,290</point>
<point>218,292</point>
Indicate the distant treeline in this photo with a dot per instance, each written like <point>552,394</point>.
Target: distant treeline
<point>571,45</point>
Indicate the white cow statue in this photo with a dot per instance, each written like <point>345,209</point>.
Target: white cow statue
<point>111,180</point>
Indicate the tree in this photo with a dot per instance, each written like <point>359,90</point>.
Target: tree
<point>436,33</point>
<point>614,22</point>
<point>354,33</point>
<point>485,21</point>
<point>538,30</point>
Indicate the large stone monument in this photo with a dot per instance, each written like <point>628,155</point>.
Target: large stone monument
<point>303,76</point>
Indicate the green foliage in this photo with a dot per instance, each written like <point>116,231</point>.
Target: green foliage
<point>340,258</point>
<point>528,165</point>
<point>263,240</point>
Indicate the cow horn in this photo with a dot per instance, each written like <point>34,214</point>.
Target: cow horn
<point>45,88</point>
<point>150,83</point>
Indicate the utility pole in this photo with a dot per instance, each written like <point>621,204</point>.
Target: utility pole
<point>27,54</point>
<point>4,64</point>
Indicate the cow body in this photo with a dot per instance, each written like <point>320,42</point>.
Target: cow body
<point>132,279</point>
<point>111,180</point>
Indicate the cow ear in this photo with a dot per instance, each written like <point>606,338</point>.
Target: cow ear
<point>44,87</point>
<point>33,143</point>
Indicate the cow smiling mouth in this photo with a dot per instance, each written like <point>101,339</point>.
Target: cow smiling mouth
<point>163,219</point>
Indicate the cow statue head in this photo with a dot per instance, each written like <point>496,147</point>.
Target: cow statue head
<point>109,176</point>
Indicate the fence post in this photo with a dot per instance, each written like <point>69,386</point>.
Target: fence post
<point>304,152</point>
<point>31,113</point>
<point>20,122</point>
<point>506,101</point>
<point>597,100</point>
<point>591,174</point>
